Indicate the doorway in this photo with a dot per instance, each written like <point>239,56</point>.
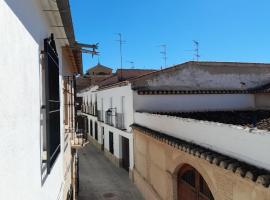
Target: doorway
<point>102,139</point>
<point>91,128</point>
<point>96,131</point>
<point>125,153</point>
<point>192,186</point>
<point>111,143</point>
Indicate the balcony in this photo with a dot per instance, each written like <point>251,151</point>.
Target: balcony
<point>95,110</point>
<point>100,116</point>
<point>119,121</point>
<point>89,109</point>
<point>78,138</point>
<point>109,119</point>
<point>79,135</point>
<point>83,108</point>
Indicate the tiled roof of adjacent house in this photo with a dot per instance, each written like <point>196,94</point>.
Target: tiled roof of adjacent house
<point>253,173</point>
<point>201,77</point>
<point>82,83</point>
<point>177,92</point>
<point>99,66</point>
<point>259,119</point>
<point>123,75</point>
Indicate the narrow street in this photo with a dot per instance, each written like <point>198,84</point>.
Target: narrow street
<point>100,179</point>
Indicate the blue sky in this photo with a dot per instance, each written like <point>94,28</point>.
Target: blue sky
<point>228,30</point>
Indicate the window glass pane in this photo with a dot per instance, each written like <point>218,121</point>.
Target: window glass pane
<point>204,189</point>
<point>189,177</point>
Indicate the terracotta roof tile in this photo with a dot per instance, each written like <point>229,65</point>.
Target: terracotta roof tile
<point>253,173</point>
<point>123,75</point>
<point>252,119</point>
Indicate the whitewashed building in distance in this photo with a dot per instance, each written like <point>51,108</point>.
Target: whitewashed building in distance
<point>37,114</point>
<point>200,130</point>
<point>108,106</point>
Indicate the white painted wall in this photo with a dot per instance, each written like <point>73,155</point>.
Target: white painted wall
<point>116,94</point>
<point>24,26</point>
<point>217,76</point>
<point>235,141</point>
<point>198,102</point>
<point>113,96</point>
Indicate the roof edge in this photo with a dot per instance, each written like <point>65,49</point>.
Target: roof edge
<point>251,172</point>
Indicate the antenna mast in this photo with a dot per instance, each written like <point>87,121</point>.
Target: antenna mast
<point>121,42</point>
<point>196,50</point>
<point>164,54</point>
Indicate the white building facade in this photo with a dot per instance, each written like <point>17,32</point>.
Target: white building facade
<point>36,84</point>
<point>109,111</point>
<point>164,102</point>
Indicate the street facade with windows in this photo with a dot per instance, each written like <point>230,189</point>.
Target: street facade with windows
<point>38,109</point>
<point>192,128</point>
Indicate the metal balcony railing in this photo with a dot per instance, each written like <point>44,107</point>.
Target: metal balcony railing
<point>83,109</point>
<point>79,132</point>
<point>120,121</point>
<point>78,138</point>
<point>109,119</point>
<point>95,110</point>
<point>100,116</point>
<point>89,109</point>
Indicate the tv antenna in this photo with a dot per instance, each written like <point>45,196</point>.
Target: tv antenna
<point>164,54</point>
<point>121,42</point>
<point>196,50</point>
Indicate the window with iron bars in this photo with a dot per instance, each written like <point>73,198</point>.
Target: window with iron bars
<point>52,107</point>
<point>119,121</point>
<point>108,118</point>
<point>100,115</point>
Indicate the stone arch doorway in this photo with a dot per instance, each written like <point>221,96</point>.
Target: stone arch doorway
<point>191,185</point>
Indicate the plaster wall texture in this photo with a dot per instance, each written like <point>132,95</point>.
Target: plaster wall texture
<point>116,94</point>
<point>25,27</point>
<point>157,165</point>
<point>230,140</point>
<point>198,102</point>
<point>192,76</point>
<point>262,101</point>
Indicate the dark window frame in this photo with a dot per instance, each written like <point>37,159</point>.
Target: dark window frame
<point>91,127</point>
<point>96,131</point>
<point>195,182</point>
<point>52,96</point>
<point>111,142</point>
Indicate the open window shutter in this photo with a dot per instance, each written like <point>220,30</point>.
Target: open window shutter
<point>52,101</point>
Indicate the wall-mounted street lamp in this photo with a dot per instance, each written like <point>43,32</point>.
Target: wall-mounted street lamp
<point>111,112</point>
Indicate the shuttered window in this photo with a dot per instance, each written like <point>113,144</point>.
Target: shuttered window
<point>52,106</point>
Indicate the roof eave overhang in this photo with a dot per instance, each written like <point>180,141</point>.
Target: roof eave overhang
<point>66,17</point>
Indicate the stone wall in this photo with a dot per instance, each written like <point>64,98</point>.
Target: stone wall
<point>157,165</point>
